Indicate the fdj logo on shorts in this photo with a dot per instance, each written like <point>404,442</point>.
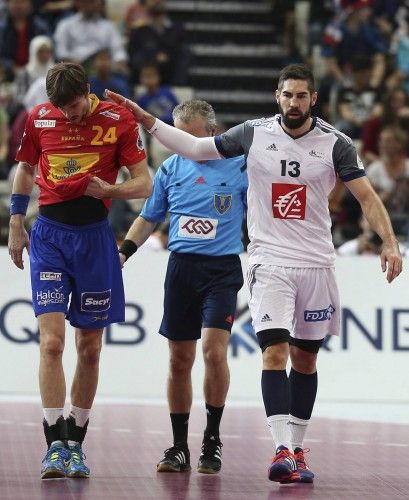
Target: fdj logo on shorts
<point>319,314</point>
<point>96,301</point>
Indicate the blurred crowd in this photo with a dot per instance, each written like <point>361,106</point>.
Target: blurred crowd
<point>359,50</point>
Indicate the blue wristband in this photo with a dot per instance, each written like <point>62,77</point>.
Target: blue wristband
<point>19,204</point>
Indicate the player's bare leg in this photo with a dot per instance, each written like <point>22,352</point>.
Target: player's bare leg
<point>83,389</point>
<point>53,391</point>
<point>179,390</point>
<point>215,387</point>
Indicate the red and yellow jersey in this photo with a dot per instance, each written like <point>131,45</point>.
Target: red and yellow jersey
<point>68,155</point>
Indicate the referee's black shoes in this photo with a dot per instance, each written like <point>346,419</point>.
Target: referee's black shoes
<point>175,459</point>
<point>210,460</point>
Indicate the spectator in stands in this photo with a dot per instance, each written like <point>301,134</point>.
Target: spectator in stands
<point>103,76</point>
<point>40,61</point>
<point>394,110</point>
<point>398,207</point>
<point>160,100</point>
<point>7,88</point>
<point>158,39</point>
<point>53,10</point>
<point>80,36</point>
<point>367,242</point>
<point>17,29</point>
<point>356,101</point>
<point>134,13</point>
<point>400,77</point>
<point>393,163</point>
<point>354,34</point>
<point>4,143</point>
<point>157,99</point>
<point>36,94</point>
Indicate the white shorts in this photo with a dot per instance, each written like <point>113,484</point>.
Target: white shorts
<point>304,301</point>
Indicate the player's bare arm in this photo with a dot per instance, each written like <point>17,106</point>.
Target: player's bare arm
<point>179,141</point>
<point>18,237</point>
<point>378,218</point>
<point>138,233</point>
<point>138,186</point>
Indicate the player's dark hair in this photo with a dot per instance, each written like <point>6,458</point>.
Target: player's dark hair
<point>65,82</point>
<point>297,72</point>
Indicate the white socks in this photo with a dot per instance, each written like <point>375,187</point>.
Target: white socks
<point>298,428</point>
<point>287,430</point>
<point>81,415</point>
<point>280,430</point>
<point>51,415</point>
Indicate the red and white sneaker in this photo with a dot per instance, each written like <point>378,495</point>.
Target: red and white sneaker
<point>283,467</point>
<point>305,474</point>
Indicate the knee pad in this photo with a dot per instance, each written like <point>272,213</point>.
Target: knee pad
<point>272,336</point>
<point>312,346</point>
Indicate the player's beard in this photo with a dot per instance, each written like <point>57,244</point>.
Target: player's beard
<point>294,123</point>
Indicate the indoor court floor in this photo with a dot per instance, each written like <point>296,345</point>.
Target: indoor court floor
<point>351,459</point>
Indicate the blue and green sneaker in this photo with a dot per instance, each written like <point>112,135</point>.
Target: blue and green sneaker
<point>77,467</point>
<point>55,462</point>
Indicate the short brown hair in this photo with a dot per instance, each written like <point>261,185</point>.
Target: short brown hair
<point>65,82</point>
<point>297,72</point>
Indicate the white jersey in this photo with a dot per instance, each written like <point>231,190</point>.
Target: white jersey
<point>289,182</point>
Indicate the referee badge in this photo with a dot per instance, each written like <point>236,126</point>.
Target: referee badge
<point>222,202</point>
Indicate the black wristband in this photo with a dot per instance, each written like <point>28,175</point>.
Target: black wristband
<point>128,248</point>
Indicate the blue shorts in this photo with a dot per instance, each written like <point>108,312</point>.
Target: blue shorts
<point>200,292</point>
<point>81,262</point>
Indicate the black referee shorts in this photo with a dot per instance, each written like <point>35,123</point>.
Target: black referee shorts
<point>200,292</point>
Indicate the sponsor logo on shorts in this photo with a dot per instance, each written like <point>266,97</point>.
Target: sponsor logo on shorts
<point>96,301</point>
<point>49,276</point>
<point>319,314</point>
<point>44,123</point>
<point>55,296</point>
<point>197,227</point>
<point>100,318</point>
<point>265,318</point>
<point>109,114</point>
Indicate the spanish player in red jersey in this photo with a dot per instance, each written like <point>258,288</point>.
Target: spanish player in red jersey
<point>73,148</point>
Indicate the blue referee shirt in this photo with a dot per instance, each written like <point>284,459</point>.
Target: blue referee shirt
<point>206,202</point>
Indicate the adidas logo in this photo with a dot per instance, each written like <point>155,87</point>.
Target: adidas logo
<point>265,318</point>
<point>200,180</point>
<point>272,147</point>
<point>316,154</point>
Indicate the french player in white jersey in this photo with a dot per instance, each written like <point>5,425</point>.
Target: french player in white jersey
<point>293,161</point>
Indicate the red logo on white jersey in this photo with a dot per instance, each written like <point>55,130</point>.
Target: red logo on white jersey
<point>289,201</point>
